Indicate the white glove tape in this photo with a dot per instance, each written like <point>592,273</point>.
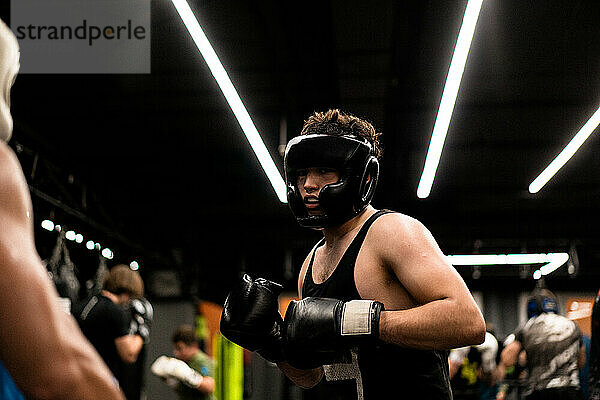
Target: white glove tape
<point>356,317</point>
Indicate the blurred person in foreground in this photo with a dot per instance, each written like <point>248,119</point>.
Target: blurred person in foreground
<point>42,350</point>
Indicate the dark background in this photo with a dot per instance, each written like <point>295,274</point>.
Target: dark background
<point>157,168</point>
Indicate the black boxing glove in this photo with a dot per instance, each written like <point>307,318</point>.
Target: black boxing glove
<point>320,331</point>
<point>251,317</point>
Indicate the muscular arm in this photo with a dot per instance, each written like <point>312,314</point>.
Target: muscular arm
<point>129,347</point>
<point>446,315</point>
<point>508,358</point>
<point>40,345</point>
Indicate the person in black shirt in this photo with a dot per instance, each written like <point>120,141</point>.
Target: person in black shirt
<point>106,322</point>
<point>380,304</point>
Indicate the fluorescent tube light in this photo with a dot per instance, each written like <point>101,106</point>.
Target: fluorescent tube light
<point>551,261</point>
<point>232,97</point>
<point>457,67</point>
<point>556,261</point>
<point>566,154</point>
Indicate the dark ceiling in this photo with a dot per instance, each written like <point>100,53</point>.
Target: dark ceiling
<point>157,167</point>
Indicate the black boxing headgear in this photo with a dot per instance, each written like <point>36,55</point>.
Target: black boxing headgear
<point>541,301</point>
<point>358,167</point>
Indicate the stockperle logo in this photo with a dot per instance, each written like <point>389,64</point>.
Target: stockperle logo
<point>82,36</point>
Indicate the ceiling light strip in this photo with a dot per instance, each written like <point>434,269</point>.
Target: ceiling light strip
<point>566,154</point>
<point>73,236</point>
<point>457,67</point>
<point>232,97</point>
<point>551,261</point>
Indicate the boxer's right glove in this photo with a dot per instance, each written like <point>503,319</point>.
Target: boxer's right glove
<point>320,331</point>
<point>251,317</point>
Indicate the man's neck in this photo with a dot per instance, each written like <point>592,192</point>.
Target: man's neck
<point>113,297</point>
<point>336,233</point>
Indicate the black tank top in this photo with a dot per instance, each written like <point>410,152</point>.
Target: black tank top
<point>384,371</point>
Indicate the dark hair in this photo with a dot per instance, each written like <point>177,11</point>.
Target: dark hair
<point>541,300</point>
<point>546,293</point>
<point>185,334</point>
<point>122,279</point>
<point>336,122</point>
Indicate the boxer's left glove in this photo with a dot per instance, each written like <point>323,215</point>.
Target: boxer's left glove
<point>251,317</point>
<point>321,331</point>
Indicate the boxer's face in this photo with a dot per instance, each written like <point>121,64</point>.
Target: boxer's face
<point>311,181</point>
<point>183,351</point>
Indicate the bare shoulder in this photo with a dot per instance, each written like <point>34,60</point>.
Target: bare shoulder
<point>11,174</point>
<point>15,203</point>
<point>397,239</point>
<point>17,246</point>
<point>398,229</point>
<point>398,222</point>
<point>302,273</point>
<point>8,159</point>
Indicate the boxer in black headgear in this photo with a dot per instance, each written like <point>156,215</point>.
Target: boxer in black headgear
<point>380,304</point>
<point>340,201</point>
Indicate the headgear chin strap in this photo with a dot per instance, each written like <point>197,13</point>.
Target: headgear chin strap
<point>9,67</point>
<point>541,301</point>
<point>358,167</point>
